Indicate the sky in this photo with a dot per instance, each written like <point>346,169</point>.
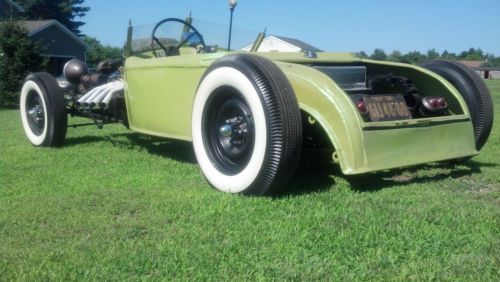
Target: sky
<point>331,25</point>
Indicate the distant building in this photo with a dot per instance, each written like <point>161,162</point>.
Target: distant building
<point>472,64</point>
<point>484,72</point>
<point>275,43</point>
<point>58,43</point>
<point>488,72</point>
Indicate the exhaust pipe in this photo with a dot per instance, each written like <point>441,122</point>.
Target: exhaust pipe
<point>82,99</point>
<point>87,101</point>
<point>99,98</point>
<point>94,96</point>
<point>104,103</point>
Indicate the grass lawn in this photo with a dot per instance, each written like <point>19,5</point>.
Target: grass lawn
<point>115,205</point>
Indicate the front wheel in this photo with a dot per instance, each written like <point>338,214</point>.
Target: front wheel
<point>43,110</point>
<point>246,126</point>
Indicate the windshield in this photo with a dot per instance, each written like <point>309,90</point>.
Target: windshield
<point>173,33</point>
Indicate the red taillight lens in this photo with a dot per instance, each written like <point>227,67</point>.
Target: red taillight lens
<point>442,102</point>
<point>434,104</point>
<point>361,106</point>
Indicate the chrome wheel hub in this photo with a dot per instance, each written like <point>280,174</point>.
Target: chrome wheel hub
<point>226,130</point>
<point>36,113</point>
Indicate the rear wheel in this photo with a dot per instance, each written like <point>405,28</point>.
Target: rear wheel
<point>43,110</point>
<point>247,131</point>
<point>475,93</point>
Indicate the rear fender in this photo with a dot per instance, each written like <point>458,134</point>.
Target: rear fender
<point>331,108</point>
<point>323,100</point>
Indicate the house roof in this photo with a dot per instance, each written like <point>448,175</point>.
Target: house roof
<point>487,69</point>
<point>299,43</point>
<point>34,27</point>
<point>472,64</point>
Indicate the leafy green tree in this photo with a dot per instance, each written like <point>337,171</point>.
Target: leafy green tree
<point>378,54</point>
<point>491,61</point>
<point>432,54</point>
<point>395,56</point>
<point>473,55</point>
<point>361,55</point>
<point>448,56</point>
<point>414,57</point>
<point>98,52</point>
<point>65,11</point>
<point>18,57</point>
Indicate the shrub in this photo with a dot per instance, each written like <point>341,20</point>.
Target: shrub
<point>18,57</point>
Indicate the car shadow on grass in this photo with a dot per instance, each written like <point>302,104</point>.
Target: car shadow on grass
<point>314,177</point>
<point>180,151</point>
<point>419,174</point>
<point>314,174</point>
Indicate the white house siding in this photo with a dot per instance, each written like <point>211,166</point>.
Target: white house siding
<point>492,74</point>
<point>273,44</point>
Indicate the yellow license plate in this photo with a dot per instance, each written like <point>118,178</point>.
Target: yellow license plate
<point>386,107</point>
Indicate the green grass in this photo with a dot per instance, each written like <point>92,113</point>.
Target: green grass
<point>115,205</point>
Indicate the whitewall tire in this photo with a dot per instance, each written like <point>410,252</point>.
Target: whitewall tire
<point>43,110</point>
<point>246,126</point>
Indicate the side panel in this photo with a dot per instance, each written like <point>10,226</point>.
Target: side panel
<point>160,93</point>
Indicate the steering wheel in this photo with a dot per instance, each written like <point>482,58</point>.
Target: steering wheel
<point>172,50</point>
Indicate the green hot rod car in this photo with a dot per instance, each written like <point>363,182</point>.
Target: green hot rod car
<point>249,115</point>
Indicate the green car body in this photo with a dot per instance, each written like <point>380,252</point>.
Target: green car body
<point>160,93</point>
<point>250,115</point>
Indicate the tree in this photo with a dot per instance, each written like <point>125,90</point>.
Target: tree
<point>378,54</point>
<point>473,55</point>
<point>448,56</point>
<point>414,57</point>
<point>432,54</point>
<point>361,55</point>
<point>491,61</point>
<point>395,56</point>
<point>65,11</point>
<point>18,57</point>
<point>98,52</point>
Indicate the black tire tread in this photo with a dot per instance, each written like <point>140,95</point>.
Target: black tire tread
<point>283,118</point>
<point>57,118</point>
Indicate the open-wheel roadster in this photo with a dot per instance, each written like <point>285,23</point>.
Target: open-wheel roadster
<point>249,115</point>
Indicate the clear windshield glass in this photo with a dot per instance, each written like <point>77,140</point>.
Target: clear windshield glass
<point>173,33</point>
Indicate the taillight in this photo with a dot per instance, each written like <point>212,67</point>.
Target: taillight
<point>434,104</point>
<point>361,106</point>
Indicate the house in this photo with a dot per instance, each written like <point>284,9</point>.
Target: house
<point>275,43</point>
<point>488,72</point>
<point>58,43</point>
<point>10,9</point>
<point>484,72</point>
